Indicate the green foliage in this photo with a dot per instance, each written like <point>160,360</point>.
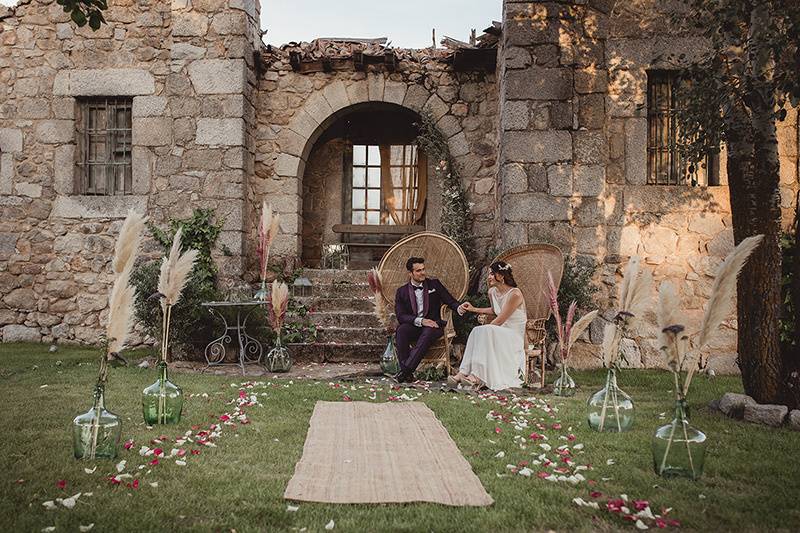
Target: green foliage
<point>299,327</point>
<point>85,11</point>
<point>576,284</point>
<point>192,325</point>
<point>788,319</point>
<point>455,215</point>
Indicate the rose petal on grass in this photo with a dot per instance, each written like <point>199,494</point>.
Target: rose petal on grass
<point>180,463</point>
<point>84,529</point>
<point>61,483</point>
<point>292,508</point>
<point>70,502</point>
<point>50,505</point>
<point>121,465</point>
<point>330,525</point>
<point>90,470</point>
<point>48,529</point>
<point>641,525</point>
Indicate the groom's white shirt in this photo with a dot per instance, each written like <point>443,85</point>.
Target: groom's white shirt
<point>420,304</point>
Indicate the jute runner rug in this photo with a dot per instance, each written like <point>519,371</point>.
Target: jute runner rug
<point>361,452</point>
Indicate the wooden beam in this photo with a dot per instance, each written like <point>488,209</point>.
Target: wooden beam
<point>373,229</point>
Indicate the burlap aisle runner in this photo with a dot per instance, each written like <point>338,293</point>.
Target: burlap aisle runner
<point>361,452</point>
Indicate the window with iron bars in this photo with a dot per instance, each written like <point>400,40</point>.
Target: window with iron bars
<point>665,166</point>
<point>104,140</point>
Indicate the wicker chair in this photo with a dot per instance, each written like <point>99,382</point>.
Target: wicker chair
<point>530,263</point>
<point>444,260</point>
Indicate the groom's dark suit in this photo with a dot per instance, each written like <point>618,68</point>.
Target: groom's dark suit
<point>434,294</point>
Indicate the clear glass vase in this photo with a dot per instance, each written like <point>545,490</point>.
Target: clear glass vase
<point>679,450</point>
<point>278,358</point>
<point>97,432</point>
<point>389,364</point>
<point>162,402</point>
<point>262,293</point>
<point>564,385</point>
<point>610,409</point>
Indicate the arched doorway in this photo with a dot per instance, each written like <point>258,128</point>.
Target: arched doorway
<point>364,183</point>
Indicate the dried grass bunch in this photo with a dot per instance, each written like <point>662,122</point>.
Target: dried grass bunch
<point>681,353</point>
<point>267,229</point>
<point>567,332</point>
<point>634,297</point>
<point>380,310</point>
<point>279,301</point>
<point>175,270</point>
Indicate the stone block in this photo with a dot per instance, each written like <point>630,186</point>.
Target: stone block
<point>706,224</point>
<point>515,115</point>
<point>449,125</point>
<point>589,212</point>
<point>149,106</point>
<point>589,180</point>
<point>336,95</point>
<point>767,414</point>
<point>590,147</point>
<point>318,107</point>
<point>722,244</point>
<point>250,7</point>
<point>287,165</point>
<point>189,24</point>
<point>376,83</point>
<point>636,151</point>
<point>559,179</point>
<point>516,57</point>
<point>535,207</point>
<point>591,80</point>
<point>55,131</point>
<point>459,146</point>
<point>152,131</point>
<point>537,177</point>
<point>104,82</point>
<point>793,421</point>
<point>220,131</point>
<point>590,241</point>
<point>6,173</point>
<point>31,190</point>
<point>186,51</point>
<point>22,298</point>
<point>18,333</point>
<point>218,76</point>
<point>97,206</point>
<point>592,111</point>
<point>394,92</point>
<point>141,169</point>
<point>10,140</point>
<point>415,97</point>
<point>513,235</point>
<point>357,92</point>
<point>33,108</point>
<point>514,178</point>
<point>436,106</point>
<point>537,146</point>
<point>659,241</point>
<point>539,84</point>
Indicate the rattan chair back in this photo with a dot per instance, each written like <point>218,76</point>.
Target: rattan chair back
<point>530,264</point>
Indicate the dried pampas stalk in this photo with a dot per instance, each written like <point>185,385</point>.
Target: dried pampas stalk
<point>668,318</point>
<point>175,269</point>
<point>722,293</point>
<point>580,326</point>
<point>724,289</point>
<point>279,302</point>
<point>127,246</point>
<point>267,229</point>
<point>120,305</point>
<point>611,340</point>
<point>630,274</point>
<point>379,306</point>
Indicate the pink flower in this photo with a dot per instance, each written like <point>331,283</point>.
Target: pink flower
<point>135,484</point>
<point>543,475</point>
<point>154,462</point>
<point>195,452</point>
<point>224,418</point>
<point>661,523</point>
<point>114,480</point>
<point>615,506</point>
<point>640,505</point>
<point>128,444</point>
<point>181,452</point>
<point>61,484</point>
<point>571,437</point>
<point>242,394</point>
<point>498,430</point>
<point>522,463</point>
<point>674,523</point>
<point>536,436</point>
<point>158,451</point>
<point>596,494</point>
<point>556,426</point>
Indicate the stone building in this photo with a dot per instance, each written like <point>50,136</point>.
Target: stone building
<point>557,120</point>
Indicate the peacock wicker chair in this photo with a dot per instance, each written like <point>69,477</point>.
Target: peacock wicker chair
<point>445,261</point>
<point>530,264</point>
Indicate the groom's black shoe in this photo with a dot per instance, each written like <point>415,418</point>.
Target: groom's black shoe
<point>404,376</point>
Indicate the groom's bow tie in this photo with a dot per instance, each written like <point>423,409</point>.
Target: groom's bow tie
<point>417,288</point>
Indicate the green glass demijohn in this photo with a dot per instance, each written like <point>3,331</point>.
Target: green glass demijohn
<point>564,385</point>
<point>278,358</point>
<point>162,402</point>
<point>610,409</point>
<point>679,450</point>
<point>96,433</point>
<point>389,364</point>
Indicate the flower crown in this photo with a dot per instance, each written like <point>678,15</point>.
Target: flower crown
<point>504,267</point>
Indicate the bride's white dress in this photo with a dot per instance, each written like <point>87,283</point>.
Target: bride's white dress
<point>496,354</point>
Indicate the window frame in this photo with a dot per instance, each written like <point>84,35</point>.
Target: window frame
<point>116,161</point>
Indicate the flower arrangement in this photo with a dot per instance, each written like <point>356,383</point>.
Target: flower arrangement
<point>279,302</point>
<point>267,229</point>
<point>174,272</point>
<point>682,355</point>
<point>567,333</point>
<point>120,304</point>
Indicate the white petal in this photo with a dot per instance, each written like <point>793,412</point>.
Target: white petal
<point>330,525</point>
<point>180,463</point>
<point>641,525</point>
<point>48,529</point>
<point>86,528</point>
<point>50,505</point>
<point>154,484</point>
<point>90,470</point>
<point>525,472</point>
<point>121,465</point>
<point>292,508</point>
<point>500,455</point>
<point>610,462</point>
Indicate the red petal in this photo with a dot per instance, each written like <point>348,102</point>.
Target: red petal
<point>135,484</point>
<point>154,462</point>
<point>195,452</point>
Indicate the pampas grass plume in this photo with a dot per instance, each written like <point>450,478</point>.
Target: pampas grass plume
<point>580,326</point>
<point>175,269</point>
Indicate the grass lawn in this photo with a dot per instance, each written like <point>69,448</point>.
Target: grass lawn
<point>751,481</point>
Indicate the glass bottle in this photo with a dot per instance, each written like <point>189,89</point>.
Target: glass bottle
<point>679,450</point>
<point>564,385</point>
<point>278,358</point>
<point>162,402</point>
<point>97,432</point>
<point>389,364</point>
<point>610,409</point>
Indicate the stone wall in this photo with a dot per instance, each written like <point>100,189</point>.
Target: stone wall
<point>573,160</point>
<point>188,67</point>
<point>295,108</point>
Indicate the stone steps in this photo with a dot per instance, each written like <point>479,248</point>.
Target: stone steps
<point>337,353</point>
<point>338,303</point>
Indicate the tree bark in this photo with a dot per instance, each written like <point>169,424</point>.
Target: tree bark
<point>755,207</point>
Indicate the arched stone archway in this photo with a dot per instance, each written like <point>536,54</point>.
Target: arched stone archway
<point>321,109</point>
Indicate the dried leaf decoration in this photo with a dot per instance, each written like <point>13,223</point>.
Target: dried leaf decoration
<point>279,302</point>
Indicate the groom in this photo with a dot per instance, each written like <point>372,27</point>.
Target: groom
<point>417,305</point>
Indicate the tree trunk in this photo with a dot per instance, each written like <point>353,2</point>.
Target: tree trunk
<point>755,206</point>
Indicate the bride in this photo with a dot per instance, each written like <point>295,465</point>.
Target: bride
<point>495,353</point>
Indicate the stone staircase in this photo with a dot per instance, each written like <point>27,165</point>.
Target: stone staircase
<point>347,331</point>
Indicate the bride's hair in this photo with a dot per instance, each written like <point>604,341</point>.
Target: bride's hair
<point>504,269</point>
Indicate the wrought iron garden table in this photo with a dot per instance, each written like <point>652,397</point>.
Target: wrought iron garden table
<point>250,349</point>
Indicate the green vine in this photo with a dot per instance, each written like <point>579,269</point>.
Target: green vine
<point>455,215</point>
